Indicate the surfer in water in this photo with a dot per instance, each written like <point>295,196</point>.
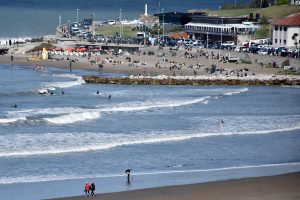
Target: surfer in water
<point>15,106</point>
<point>98,92</point>
<point>109,97</point>
<point>222,123</point>
<point>62,92</point>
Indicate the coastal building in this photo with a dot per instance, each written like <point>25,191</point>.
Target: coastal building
<point>200,26</point>
<point>222,29</point>
<point>286,31</point>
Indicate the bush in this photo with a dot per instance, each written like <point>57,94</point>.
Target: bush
<point>282,2</point>
<point>264,20</point>
<point>285,63</point>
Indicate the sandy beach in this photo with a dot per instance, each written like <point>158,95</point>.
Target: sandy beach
<point>274,187</point>
<point>163,62</point>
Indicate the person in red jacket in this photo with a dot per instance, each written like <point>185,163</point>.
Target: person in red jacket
<point>87,189</point>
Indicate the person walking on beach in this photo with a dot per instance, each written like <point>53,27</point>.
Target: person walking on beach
<point>92,189</point>
<point>87,189</point>
<point>12,58</point>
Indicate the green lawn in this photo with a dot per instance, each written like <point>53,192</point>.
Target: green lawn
<point>112,30</point>
<point>273,12</point>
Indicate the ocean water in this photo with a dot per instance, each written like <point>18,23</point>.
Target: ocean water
<point>150,129</point>
<point>29,18</point>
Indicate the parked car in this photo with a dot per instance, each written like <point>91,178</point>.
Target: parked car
<point>263,52</point>
<point>227,45</point>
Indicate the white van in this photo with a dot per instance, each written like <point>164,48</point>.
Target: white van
<point>111,22</point>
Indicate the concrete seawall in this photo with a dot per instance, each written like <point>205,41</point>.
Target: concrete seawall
<point>151,81</point>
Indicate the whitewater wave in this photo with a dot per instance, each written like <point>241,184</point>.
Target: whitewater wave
<point>61,143</point>
<point>65,84</point>
<point>236,91</point>
<point>63,177</point>
<point>74,114</point>
<point>73,117</point>
<point>90,114</point>
<point>11,120</point>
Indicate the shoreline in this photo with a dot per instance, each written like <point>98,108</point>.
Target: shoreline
<point>73,188</point>
<point>279,187</point>
<point>155,76</point>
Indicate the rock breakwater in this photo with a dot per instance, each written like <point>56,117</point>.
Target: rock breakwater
<point>188,81</point>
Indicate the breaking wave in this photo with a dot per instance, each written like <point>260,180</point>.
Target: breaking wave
<point>61,143</point>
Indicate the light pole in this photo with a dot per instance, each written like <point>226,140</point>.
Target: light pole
<point>158,39</point>
<point>77,14</point>
<point>221,37</point>
<point>261,1</point>
<point>120,23</point>
<point>207,40</point>
<point>93,24</point>
<point>158,7</point>
<point>163,22</point>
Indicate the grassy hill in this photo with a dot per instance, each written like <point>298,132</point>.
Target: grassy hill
<point>272,12</point>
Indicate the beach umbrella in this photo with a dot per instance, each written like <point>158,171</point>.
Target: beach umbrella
<point>70,49</point>
<point>58,49</point>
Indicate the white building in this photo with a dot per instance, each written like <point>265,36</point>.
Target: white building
<point>284,30</point>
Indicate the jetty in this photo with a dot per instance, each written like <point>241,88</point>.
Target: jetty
<point>187,81</point>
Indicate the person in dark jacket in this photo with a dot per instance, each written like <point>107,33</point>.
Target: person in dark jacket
<point>92,189</point>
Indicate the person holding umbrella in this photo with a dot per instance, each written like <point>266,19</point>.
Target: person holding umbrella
<point>128,171</point>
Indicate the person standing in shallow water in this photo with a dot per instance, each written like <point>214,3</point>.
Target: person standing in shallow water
<point>128,171</point>
<point>222,123</point>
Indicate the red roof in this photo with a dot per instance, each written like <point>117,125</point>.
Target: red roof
<point>179,35</point>
<point>291,20</point>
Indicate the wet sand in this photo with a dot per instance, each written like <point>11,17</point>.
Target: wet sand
<point>274,188</point>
